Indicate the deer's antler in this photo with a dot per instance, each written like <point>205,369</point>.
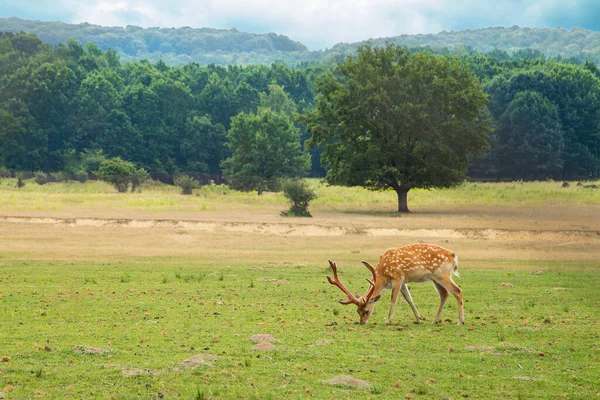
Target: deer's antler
<point>372,284</point>
<point>336,282</point>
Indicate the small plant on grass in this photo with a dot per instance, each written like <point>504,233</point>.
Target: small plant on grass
<point>187,184</point>
<point>40,178</point>
<point>20,182</point>
<point>299,194</point>
<point>202,395</point>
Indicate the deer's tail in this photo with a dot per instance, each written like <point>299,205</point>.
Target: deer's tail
<point>455,269</point>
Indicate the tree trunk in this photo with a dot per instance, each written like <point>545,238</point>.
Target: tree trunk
<point>402,200</point>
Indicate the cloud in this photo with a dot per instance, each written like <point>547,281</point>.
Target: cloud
<point>316,23</point>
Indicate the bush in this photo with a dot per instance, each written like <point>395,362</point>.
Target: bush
<point>4,172</point>
<point>40,178</point>
<point>139,176</point>
<point>117,172</point>
<point>186,183</point>
<point>80,176</point>
<point>60,176</point>
<point>299,194</point>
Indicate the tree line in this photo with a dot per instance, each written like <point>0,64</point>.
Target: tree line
<point>175,46</point>
<point>56,101</point>
<point>180,46</point>
<point>67,103</point>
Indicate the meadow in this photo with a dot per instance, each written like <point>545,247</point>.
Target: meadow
<point>107,295</point>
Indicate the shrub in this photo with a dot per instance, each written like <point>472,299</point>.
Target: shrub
<point>60,176</point>
<point>80,176</point>
<point>186,183</point>
<point>299,194</point>
<point>4,172</point>
<point>139,176</point>
<point>40,178</point>
<point>20,183</point>
<point>117,172</point>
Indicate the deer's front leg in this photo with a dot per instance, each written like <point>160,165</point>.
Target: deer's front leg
<point>396,285</point>
<point>409,300</point>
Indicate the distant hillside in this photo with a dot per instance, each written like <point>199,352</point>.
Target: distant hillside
<point>219,46</point>
<point>556,42</point>
<point>175,46</point>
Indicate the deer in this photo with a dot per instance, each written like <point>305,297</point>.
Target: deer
<point>419,262</point>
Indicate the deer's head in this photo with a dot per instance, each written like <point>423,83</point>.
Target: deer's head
<point>364,304</point>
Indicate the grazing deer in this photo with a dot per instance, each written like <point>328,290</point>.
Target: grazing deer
<point>413,263</point>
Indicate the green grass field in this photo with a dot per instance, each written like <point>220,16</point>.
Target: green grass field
<point>114,312</point>
<point>155,197</point>
<point>536,339</point>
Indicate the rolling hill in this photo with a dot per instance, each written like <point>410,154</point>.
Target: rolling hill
<point>177,46</point>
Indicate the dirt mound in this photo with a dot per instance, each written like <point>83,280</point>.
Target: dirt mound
<point>264,346</point>
<point>262,337</point>
<point>196,361</point>
<point>264,342</point>
<point>345,380</point>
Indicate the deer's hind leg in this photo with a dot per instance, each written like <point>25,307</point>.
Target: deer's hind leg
<point>452,288</point>
<point>443,296</point>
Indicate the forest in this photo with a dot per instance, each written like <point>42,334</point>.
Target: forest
<point>60,104</point>
<point>205,46</point>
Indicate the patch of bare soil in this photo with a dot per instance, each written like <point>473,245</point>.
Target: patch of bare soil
<point>196,361</point>
<point>345,380</point>
<point>264,346</point>
<point>262,337</point>
<point>313,230</point>
<point>264,342</point>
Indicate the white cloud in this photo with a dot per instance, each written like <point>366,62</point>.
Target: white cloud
<point>312,22</point>
<point>316,23</point>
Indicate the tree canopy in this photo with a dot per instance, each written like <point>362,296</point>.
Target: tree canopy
<point>65,102</point>
<point>394,119</point>
<point>265,147</point>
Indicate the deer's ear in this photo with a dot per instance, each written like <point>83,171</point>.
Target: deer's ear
<point>374,299</point>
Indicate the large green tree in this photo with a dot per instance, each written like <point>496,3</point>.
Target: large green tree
<point>265,147</point>
<point>392,119</point>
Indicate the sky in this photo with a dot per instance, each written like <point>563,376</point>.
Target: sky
<point>318,24</point>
